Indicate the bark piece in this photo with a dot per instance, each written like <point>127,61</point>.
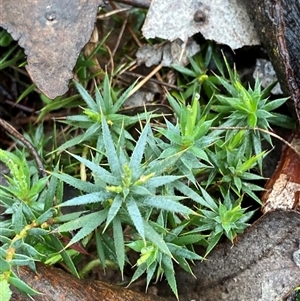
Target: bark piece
<point>259,267</point>
<point>224,21</point>
<point>57,285</point>
<point>282,191</point>
<point>278,26</point>
<point>52,32</point>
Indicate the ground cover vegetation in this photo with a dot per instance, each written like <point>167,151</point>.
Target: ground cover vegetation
<point>155,184</point>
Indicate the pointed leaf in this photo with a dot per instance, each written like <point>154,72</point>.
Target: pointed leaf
<point>119,243</point>
<point>274,104</point>
<point>114,209</point>
<point>111,152</point>
<point>213,242</point>
<point>210,203</point>
<point>100,249</point>
<point>156,239</point>
<point>99,100</point>
<point>161,180</point>
<point>150,272</point>
<point>138,152</point>
<point>168,203</point>
<point>169,272</point>
<point>93,131</point>
<point>141,269</point>
<point>89,226</point>
<point>121,99</point>
<point>4,265</point>
<point>82,221</point>
<point>64,254</point>
<point>74,141</point>
<point>76,183</point>
<point>107,96</point>
<point>183,252</point>
<point>98,170</point>
<point>5,292</point>
<point>21,285</point>
<point>86,96</point>
<point>160,166</point>
<point>136,217</point>
<point>94,197</point>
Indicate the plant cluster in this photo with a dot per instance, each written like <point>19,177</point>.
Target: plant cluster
<point>180,184</point>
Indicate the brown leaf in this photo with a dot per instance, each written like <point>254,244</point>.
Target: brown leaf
<point>282,191</point>
<point>262,266</point>
<point>52,33</point>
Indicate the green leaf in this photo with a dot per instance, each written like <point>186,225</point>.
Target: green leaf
<point>282,121</point>
<point>138,152</point>
<point>141,269</point>
<point>121,99</point>
<point>274,104</point>
<point>184,70</point>
<point>68,217</point>
<point>183,252</point>
<point>114,209</point>
<point>45,216</point>
<point>161,180</point>
<point>199,153</point>
<point>174,104</point>
<point>136,245</point>
<point>119,243</point>
<point>97,170</point>
<point>156,239</point>
<point>108,104</point>
<point>70,143</point>
<point>65,255</point>
<point>150,272</point>
<point>169,272</point>
<point>100,249</point>
<point>77,183</point>
<point>21,285</point>
<point>184,264</point>
<point>4,265</point>
<point>188,239</point>
<point>139,190</point>
<point>51,192</point>
<point>93,131</point>
<point>111,153</point>
<point>5,292</point>
<point>31,251</point>
<point>167,203</point>
<point>252,120</point>
<point>160,166</point>
<point>86,220</point>
<point>212,242</point>
<point>248,189</point>
<point>19,219</point>
<point>86,96</point>
<point>175,138</point>
<point>5,39</point>
<point>99,100</point>
<point>88,227</point>
<point>210,203</point>
<point>90,198</point>
<point>135,215</point>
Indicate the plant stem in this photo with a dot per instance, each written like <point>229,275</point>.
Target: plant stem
<point>12,131</point>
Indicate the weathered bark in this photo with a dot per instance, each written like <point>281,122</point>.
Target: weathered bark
<point>57,285</point>
<point>278,26</point>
